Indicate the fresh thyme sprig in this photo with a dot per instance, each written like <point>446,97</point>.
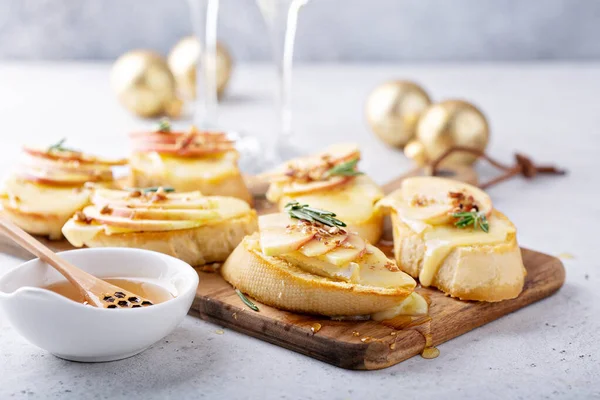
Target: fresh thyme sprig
<point>246,300</point>
<point>151,189</point>
<point>347,168</point>
<point>164,126</point>
<point>307,213</point>
<point>475,218</point>
<point>58,146</point>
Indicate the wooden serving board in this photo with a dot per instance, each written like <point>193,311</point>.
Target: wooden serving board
<point>361,345</point>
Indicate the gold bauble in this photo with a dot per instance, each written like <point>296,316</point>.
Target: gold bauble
<point>452,123</point>
<point>144,84</point>
<point>416,152</point>
<point>183,59</point>
<point>393,110</point>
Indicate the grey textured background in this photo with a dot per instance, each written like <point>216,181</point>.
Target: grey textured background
<point>329,30</point>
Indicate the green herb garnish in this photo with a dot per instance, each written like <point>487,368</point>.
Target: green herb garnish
<point>475,218</point>
<point>164,126</point>
<point>347,168</point>
<point>307,213</point>
<point>58,146</point>
<point>151,189</point>
<point>246,301</point>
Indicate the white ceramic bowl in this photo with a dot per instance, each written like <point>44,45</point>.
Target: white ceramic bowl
<point>82,333</point>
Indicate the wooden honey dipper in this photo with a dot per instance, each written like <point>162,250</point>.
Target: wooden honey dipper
<point>96,292</point>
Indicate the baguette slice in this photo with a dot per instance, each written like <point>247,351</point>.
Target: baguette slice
<point>196,246</point>
<point>49,186</point>
<point>467,263</point>
<point>281,284</point>
<point>194,228</point>
<point>188,161</point>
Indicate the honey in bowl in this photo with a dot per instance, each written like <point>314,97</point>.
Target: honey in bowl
<point>155,293</point>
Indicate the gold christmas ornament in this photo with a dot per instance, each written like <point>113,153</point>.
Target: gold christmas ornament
<point>145,85</point>
<point>393,110</point>
<point>416,152</point>
<point>183,59</point>
<point>452,123</point>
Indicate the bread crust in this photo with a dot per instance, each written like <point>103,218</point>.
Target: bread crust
<point>489,273</point>
<point>280,284</point>
<point>196,246</point>
<point>43,224</point>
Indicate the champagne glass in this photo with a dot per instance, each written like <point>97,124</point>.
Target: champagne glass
<point>281,17</point>
<point>204,14</point>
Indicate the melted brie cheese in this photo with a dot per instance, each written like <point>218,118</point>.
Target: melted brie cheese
<point>414,305</point>
<point>440,240</point>
<point>37,198</point>
<point>173,168</point>
<point>352,202</point>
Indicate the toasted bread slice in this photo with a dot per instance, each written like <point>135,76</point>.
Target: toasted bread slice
<point>471,263</point>
<point>197,229</point>
<point>196,246</point>
<point>212,174</point>
<point>49,186</point>
<point>282,284</point>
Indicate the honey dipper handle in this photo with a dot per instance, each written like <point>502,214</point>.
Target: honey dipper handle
<point>80,279</point>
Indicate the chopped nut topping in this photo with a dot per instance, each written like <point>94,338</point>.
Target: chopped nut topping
<point>159,195</point>
<point>81,217</point>
<point>106,210</point>
<point>420,201</point>
<point>135,193</point>
<point>390,266</point>
<point>461,202</point>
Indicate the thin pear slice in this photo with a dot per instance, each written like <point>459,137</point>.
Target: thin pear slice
<point>275,241</point>
<point>321,245</point>
<point>189,200</point>
<point>377,270</point>
<point>165,214</point>
<point>83,158</point>
<point>336,153</point>
<point>275,236</point>
<point>351,249</point>
<point>292,188</point>
<point>347,273</point>
<point>429,199</point>
<point>138,225</point>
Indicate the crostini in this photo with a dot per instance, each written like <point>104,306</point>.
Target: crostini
<point>330,180</point>
<point>194,228</point>
<point>306,260</point>
<point>447,234</point>
<point>187,161</point>
<point>49,186</point>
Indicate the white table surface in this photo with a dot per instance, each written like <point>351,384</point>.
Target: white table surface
<point>547,350</point>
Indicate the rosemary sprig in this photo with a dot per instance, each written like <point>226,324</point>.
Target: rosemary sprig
<point>151,189</point>
<point>58,146</point>
<point>475,218</point>
<point>307,213</point>
<point>164,126</point>
<point>347,168</point>
<point>246,300</point>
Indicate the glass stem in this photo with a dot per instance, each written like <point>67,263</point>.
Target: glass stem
<point>204,24</point>
<point>282,18</point>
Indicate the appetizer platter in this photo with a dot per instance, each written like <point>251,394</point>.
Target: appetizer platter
<point>327,263</point>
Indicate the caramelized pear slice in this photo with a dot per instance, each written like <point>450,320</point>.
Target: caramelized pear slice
<point>433,200</point>
<point>279,234</point>
<point>351,249</point>
<point>321,245</point>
